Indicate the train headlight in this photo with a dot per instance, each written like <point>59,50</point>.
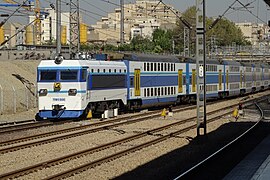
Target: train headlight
<point>72,92</point>
<point>43,92</point>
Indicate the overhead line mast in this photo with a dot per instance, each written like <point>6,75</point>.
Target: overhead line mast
<point>58,27</point>
<point>201,66</point>
<point>122,36</point>
<point>74,18</point>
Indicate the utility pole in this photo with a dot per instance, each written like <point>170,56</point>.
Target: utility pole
<point>74,28</point>
<point>122,37</point>
<point>58,27</point>
<point>200,66</point>
<point>186,41</point>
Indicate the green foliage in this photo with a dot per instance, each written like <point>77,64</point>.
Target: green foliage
<point>225,32</point>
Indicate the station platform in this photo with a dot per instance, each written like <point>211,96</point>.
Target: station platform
<point>255,166</point>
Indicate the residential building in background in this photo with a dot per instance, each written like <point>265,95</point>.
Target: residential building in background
<point>141,18</point>
<point>256,33</point>
<point>48,27</point>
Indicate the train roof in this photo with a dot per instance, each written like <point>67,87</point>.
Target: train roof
<point>150,58</point>
<point>77,63</point>
<point>231,62</point>
<point>208,61</point>
<point>256,65</point>
<point>246,64</point>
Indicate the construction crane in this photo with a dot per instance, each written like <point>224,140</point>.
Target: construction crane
<point>37,22</point>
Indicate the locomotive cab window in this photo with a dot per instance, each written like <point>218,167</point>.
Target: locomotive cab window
<point>47,75</point>
<point>69,75</point>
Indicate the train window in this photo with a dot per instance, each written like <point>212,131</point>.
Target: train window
<point>104,70</point>
<point>98,70</point>
<point>47,75</point>
<point>84,74</point>
<point>144,66</point>
<point>165,67</point>
<point>115,70</point>
<point>152,67</point>
<point>158,91</point>
<point>148,66</point>
<point>158,67</point>
<point>110,70</point>
<point>162,90</point>
<point>172,90</point>
<point>169,91</point>
<point>69,75</point>
<point>155,91</point>
<point>148,92</point>
<point>165,88</point>
<point>144,92</point>
<point>174,67</point>
<point>152,92</point>
<point>162,66</point>
<point>125,70</point>
<point>155,66</point>
<point>131,81</point>
<point>92,70</point>
<point>120,70</point>
<point>169,67</point>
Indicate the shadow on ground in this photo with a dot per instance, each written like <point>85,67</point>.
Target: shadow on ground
<point>174,163</point>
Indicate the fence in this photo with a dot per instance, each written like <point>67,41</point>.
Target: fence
<point>15,99</point>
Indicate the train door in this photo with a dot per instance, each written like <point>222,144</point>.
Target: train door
<point>180,80</point>
<point>241,79</point>
<point>137,82</point>
<point>244,78</point>
<point>227,79</point>
<point>193,80</point>
<point>220,80</point>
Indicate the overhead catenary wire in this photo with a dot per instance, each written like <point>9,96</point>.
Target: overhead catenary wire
<point>21,30</point>
<point>5,20</point>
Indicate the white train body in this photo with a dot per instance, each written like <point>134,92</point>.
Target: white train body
<point>66,89</point>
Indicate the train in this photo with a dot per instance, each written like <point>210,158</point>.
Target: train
<point>73,88</point>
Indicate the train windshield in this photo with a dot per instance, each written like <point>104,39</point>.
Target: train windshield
<point>69,75</point>
<point>47,75</point>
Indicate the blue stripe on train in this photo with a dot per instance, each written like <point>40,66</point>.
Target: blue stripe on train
<point>50,114</point>
<point>65,91</point>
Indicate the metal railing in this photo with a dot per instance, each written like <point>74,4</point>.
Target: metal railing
<point>14,99</point>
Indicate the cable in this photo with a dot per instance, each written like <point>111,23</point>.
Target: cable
<point>5,20</point>
<point>250,11</point>
<point>21,30</point>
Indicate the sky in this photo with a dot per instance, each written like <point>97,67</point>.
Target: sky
<point>93,10</point>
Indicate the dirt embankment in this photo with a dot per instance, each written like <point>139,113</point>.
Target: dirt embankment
<point>17,89</point>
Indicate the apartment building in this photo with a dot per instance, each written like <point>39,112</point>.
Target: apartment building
<point>256,33</point>
<point>141,18</point>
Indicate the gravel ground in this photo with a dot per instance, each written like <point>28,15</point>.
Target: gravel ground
<point>164,153</point>
<point>18,159</point>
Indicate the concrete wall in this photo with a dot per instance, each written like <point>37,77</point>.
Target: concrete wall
<point>24,55</point>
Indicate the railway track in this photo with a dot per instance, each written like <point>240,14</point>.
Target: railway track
<point>78,131</point>
<point>70,172</point>
<point>6,124</point>
<point>15,126</point>
<point>82,130</point>
<point>85,129</point>
<point>214,160</point>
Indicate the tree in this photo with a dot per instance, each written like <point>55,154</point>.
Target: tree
<point>225,31</point>
<point>162,40</point>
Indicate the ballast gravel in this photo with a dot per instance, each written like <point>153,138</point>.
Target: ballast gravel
<point>26,157</point>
